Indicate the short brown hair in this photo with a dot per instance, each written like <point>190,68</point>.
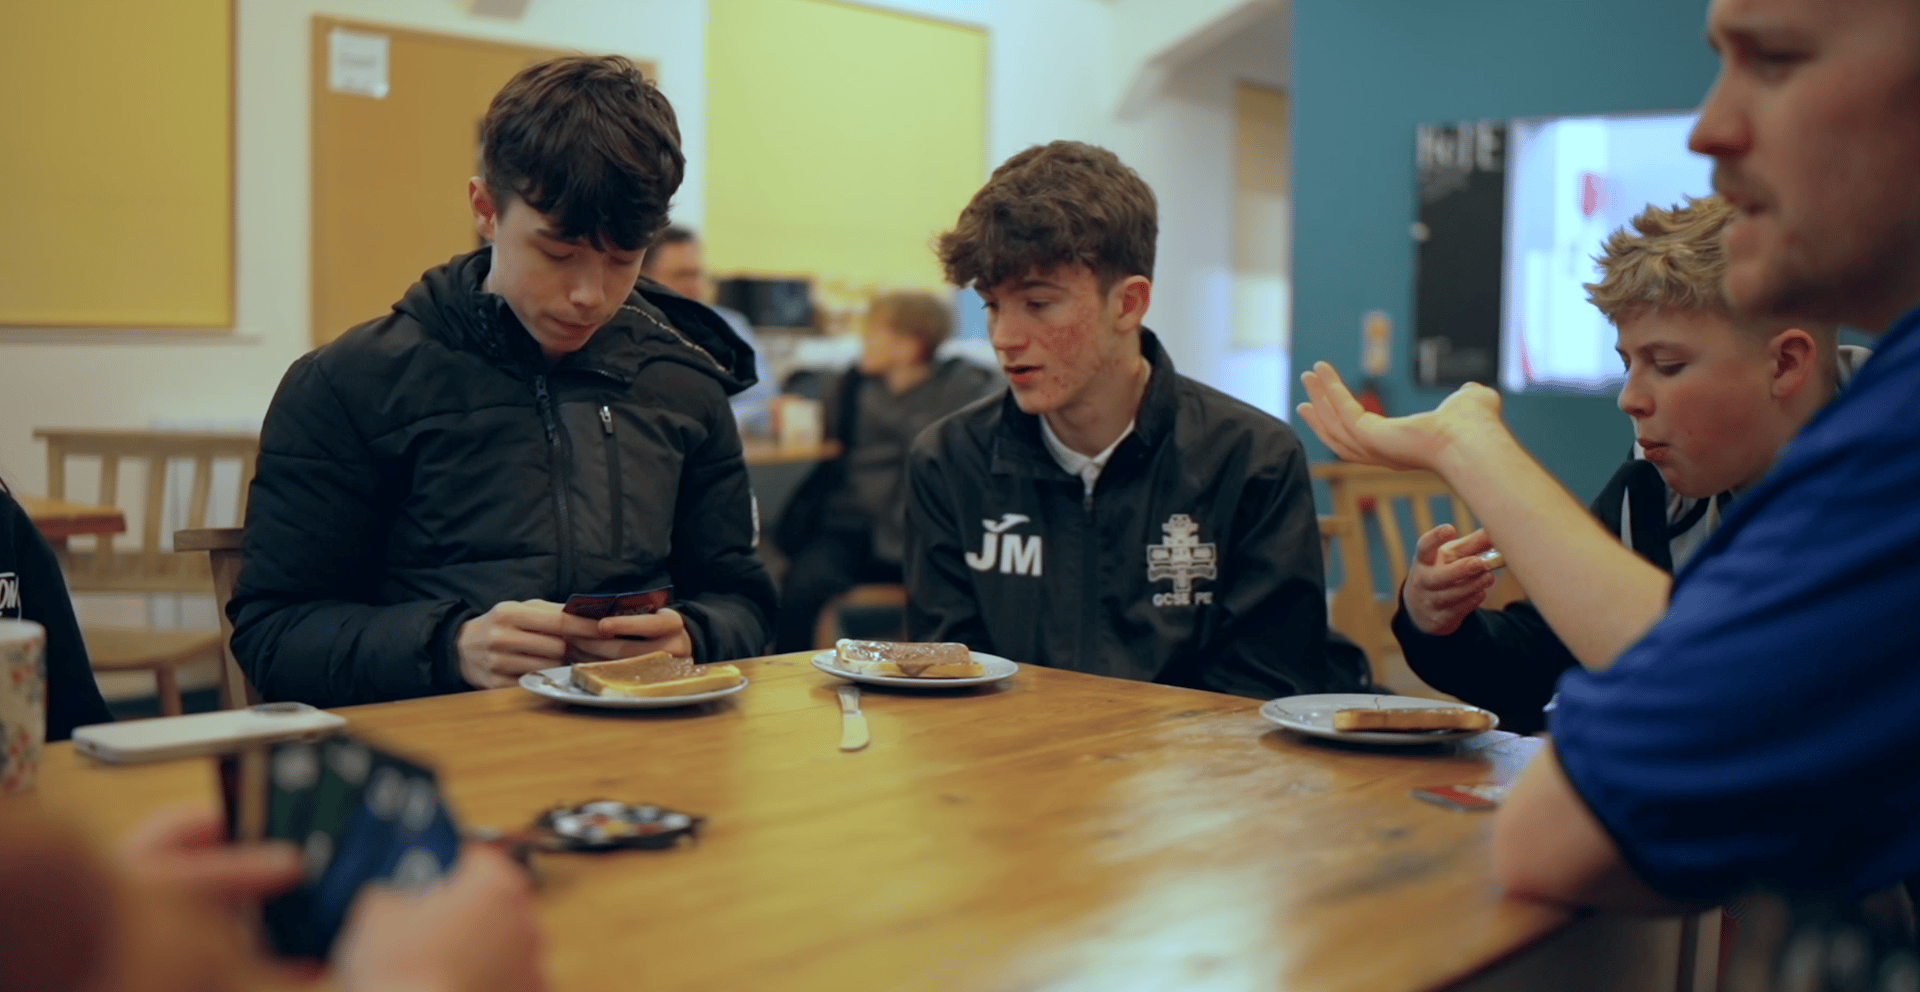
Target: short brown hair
<point>589,142</point>
<point>1676,259</point>
<point>1669,260</point>
<point>915,313</point>
<point>1055,204</point>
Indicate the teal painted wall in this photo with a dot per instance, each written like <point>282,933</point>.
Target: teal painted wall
<point>1365,72</point>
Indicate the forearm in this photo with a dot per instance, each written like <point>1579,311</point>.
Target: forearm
<point>331,653</point>
<point>1504,660</point>
<point>1567,563</point>
<point>1548,846</point>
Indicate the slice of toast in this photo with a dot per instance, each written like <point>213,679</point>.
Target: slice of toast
<point>1412,720</point>
<point>652,675</point>
<point>909,661</point>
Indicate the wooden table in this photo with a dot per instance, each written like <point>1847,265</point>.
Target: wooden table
<point>1060,831</point>
<point>59,520</point>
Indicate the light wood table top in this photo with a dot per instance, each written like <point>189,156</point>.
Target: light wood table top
<point>58,519</point>
<point>1059,831</point>
<point>767,451</point>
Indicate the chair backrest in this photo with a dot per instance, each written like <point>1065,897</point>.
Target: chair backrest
<point>148,567</point>
<point>1363,494</point>
<point>222,545</point>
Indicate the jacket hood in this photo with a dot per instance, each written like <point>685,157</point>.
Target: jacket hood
<point>654,324</point>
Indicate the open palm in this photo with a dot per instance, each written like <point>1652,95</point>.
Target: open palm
<point>1410,442</point>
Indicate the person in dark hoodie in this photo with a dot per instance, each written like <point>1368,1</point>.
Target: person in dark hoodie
<point>32,588</point>
<point>531,421</point>
<point>848,522</point>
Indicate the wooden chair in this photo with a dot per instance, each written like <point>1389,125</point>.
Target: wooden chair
<point>1364,493</point>
<point>826,630</point>
<point>147,568</point>
<point>222,545</point>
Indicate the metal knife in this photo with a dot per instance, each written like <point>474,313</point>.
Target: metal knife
<point>853,723</point>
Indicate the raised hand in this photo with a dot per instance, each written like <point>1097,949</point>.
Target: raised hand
<point>1411,442</point>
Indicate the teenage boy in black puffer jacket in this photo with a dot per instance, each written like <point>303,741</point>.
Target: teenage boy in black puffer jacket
<point>531,421</point>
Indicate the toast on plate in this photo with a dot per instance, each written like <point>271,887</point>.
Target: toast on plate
<point>908,661</point>
<point>1411,719</point>
<point>652,675</point>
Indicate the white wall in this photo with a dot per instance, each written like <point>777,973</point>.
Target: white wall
<point>103,379</point>
<point>1182,142</point>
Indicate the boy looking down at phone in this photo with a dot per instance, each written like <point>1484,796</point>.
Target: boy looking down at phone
<point>528,423</point>
<point>1106,514</point>
<point>1713,397</point>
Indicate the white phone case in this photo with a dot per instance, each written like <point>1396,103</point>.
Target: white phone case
<point>162,738</point>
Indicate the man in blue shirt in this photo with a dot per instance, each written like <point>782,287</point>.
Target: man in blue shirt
<point>1763,730</point>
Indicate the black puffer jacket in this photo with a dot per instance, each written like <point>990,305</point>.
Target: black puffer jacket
<point>430,464</point>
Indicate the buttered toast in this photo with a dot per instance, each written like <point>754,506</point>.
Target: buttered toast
<point>908,661</point>
<point>1412,719</point>
<point>656,674</point>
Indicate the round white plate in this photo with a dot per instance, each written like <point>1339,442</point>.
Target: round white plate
<point>997,668</point>
<point>1314,715</point>
<point>534,682</point>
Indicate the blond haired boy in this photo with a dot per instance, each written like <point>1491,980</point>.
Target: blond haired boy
<point>1714,398</point>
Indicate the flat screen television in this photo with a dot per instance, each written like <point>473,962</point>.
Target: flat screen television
<point>1572,181</point>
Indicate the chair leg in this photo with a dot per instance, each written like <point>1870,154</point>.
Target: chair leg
<point>166,684</point>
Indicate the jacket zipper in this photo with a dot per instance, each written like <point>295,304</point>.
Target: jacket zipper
<point>557,463</point>
<point>1089,562</point>
<point>613,474</point>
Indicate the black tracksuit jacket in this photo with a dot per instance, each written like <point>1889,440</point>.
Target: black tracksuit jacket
<point>1196,564</point>
<point>1509,660</point>
<point>430,464</point>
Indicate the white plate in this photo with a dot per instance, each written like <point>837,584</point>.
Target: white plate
<point>534,683</point>
<point>1314,715</point>
<point>997,668</point>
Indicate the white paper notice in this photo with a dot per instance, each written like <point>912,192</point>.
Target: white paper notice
<point>357,63</point>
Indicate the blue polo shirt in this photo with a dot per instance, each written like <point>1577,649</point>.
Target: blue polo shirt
<point>1768,728</point>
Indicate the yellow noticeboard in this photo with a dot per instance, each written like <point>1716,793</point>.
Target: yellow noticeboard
<point>840,140</point>
<point>118,170</point>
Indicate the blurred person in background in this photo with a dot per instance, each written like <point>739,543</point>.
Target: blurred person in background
<point>33,588</point>
<point>846,524</point>
<point>677,262</point>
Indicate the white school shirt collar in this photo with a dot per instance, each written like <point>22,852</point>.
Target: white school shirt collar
<point>1075,463</point>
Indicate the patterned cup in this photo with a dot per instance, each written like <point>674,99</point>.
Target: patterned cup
<point>23,702</point>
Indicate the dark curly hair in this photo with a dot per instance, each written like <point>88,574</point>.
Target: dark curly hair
<point>589,142</point>
<point>1054,204</point>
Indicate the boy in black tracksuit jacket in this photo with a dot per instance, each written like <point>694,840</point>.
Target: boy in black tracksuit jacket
<point>528,423</point>
<point>1106,514</point>
<point>1195,563</point>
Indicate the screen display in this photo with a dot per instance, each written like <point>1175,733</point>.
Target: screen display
<point>1571,182</point>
